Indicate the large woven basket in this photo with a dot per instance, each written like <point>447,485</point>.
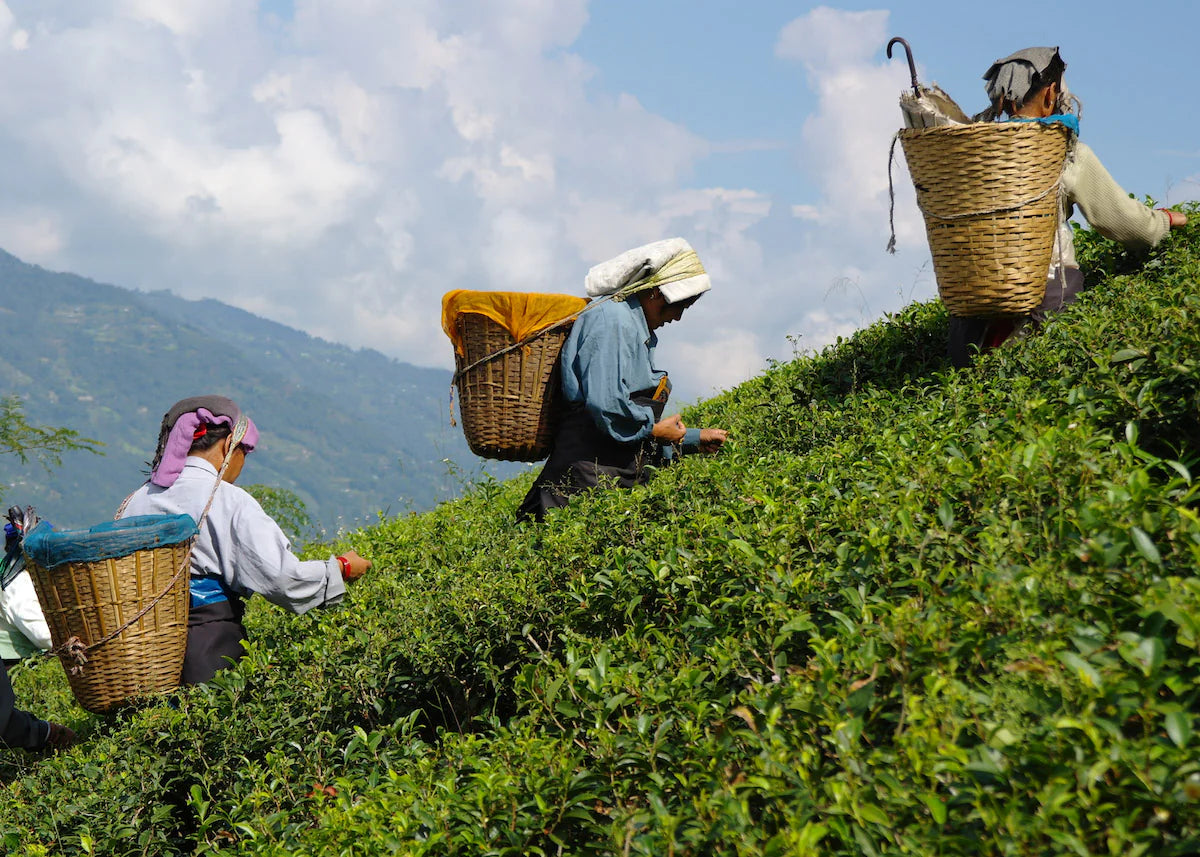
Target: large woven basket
<point>510,403</point>
<point>88,601</point>
<point>989,193</point>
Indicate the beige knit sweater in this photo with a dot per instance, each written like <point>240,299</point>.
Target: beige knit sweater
<point>1108,209</point>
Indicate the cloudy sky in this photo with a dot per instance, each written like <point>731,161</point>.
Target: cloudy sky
<point>338,166</point>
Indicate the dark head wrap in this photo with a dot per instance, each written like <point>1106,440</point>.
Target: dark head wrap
<point>1019,75</point>
<point>179,427</point>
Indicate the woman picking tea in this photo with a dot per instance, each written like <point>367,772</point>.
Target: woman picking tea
<point>1028,86</point>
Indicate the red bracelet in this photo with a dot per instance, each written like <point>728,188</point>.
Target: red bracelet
<point>345,563</point>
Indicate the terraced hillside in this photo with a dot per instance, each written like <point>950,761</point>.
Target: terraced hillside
<point>908,610</point>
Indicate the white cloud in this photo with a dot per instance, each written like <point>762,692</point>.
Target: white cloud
<point>831,40</point>
<point>33,235</point>
<point>184,18</point>
<point>341,170</point>
<point>726,358</point>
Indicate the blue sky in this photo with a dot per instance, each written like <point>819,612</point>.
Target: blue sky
<point>1124,60</point>
<point>337,165</point>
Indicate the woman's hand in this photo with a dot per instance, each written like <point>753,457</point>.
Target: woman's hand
<point>353,565</point>
<point>711,439</point>
<point>670,429</point>
<point>60,738</point>
<point>1176,218</point>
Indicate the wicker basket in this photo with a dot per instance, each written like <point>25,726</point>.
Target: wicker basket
<point>989,193</point>
<point>509,404</point>
<point>91,600</point>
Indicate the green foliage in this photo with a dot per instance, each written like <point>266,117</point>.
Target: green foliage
<point>908,610</point>
<point>44,444</point>
<point>349,432</point>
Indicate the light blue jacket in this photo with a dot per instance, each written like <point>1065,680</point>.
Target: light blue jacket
<point>608,356</point>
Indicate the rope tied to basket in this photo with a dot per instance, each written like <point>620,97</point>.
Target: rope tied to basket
<point>995,210</point>
<point>891,245</point>
<point>75,649</point>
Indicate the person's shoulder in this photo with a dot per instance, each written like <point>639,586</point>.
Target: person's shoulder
<point>1083,150</point>
<point>238,496</point>
<point>1081,160</point>
<point>1081,156</point>
<point>608,316</point>
<point>244,511</point>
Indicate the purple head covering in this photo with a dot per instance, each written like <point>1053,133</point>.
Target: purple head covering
<point>178,432</point>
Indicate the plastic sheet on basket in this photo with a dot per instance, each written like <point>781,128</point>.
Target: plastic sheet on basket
<point>50,548</point>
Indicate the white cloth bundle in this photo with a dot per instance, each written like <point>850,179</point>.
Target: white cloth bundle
<point>640,263</point>
<point>932,109</point>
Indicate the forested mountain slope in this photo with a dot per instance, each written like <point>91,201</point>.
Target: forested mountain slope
<point>907,610</point>
<point>350,432</point>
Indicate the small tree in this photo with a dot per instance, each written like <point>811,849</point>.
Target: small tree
<point>44,444</point>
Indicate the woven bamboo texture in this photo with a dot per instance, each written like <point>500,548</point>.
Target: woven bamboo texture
<point>989,194</point>
<point>509,404</point>
<point>91,600</point>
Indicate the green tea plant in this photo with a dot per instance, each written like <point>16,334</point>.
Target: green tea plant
<point>908,610</point>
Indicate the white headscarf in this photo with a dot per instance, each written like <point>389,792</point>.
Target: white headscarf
<point>670,265</point>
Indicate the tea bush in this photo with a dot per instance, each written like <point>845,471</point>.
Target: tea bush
<point>908,610</point>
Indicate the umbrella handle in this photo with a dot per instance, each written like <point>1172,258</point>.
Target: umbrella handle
<point>912,66</point>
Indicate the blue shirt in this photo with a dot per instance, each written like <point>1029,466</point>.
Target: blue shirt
<point>608,356</point>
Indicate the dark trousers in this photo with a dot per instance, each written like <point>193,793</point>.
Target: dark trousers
<point>214,642</point>
<point>584,458</point>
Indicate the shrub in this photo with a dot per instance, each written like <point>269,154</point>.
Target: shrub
<point>909,609</point>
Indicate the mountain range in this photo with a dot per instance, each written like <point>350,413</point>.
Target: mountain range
<point>352,433</point>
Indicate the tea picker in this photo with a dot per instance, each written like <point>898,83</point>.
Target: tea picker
<point>154,599</point>
<point>582,389</point>
<point>997,193</point>
<point>242,551</point>
<point>116,597</point>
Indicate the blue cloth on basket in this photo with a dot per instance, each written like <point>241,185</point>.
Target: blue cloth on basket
<point>1068,120</point>
<point>49,547</point>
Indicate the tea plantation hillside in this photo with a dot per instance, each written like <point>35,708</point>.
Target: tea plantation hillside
<point>908,610</point>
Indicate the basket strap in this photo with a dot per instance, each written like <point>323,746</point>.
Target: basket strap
<point>528,339</point>
<point>76,649</point>
<point>235,438</point>
<point>680,267</point>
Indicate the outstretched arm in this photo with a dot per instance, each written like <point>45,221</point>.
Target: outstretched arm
<point>1109,209</point>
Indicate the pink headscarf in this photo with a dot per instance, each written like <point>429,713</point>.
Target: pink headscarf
<point>178,432</point>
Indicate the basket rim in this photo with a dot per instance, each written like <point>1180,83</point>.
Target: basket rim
<point>975,128</point>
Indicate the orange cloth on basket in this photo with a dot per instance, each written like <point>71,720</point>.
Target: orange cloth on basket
<point>521,313</point>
